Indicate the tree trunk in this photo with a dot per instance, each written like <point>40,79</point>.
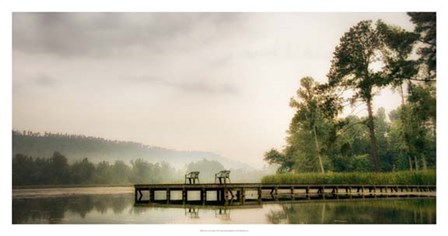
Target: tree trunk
<point>402,95</point>
<point>373,145</point>
<point>416,162</point>
<point>318,150</point>
<point>425,167</point>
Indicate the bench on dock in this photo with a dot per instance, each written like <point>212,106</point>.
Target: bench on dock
<point>194,175</point>
<point>222,176</point>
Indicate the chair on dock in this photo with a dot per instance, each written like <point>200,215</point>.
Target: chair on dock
<point>222,176</point>
<point>194,175</point>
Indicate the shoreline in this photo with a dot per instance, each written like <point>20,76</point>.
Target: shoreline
<point>69,186</point>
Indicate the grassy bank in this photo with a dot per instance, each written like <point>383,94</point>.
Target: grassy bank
<point>399,178</point>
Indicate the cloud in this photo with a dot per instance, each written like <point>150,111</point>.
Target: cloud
<point>187,85</point>
<point>105,34</point>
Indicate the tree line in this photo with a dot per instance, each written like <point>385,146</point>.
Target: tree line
<point>369,57</point>
<point>56,170</point>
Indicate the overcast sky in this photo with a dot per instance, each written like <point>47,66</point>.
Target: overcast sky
<point>208,82</point>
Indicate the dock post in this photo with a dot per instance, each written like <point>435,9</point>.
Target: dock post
<point>151,194</point>
<point>336,192</point>
<point>135,194</point>
<point>292,193</point>
<point>241,196</point>
<point>276,193</point>
<point>168,195</point>
<point>184,195</point>
<point>203,195</point>
<point>223,195</point>
<point>226,195</point>
<point>259,194</point>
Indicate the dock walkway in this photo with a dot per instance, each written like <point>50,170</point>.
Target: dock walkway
<point>241,193</point>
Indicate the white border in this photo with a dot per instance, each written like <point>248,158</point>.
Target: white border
<point>9,6</point>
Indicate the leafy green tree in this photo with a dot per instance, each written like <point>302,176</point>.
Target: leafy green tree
<point>426,28</point>
<point>382,130</point>
<point>59,172</point>
<point>22,168</point>
<point>312,131</point>
<point>103,173</point>
<point>120,173</point>
<point>418,111</point>
<point>81,172</point>
<point>354,66</point>
<point>420,121</point>
<point>309,115</point>
<point>274,157</point>
<point>352,145</point>
<point>168,173</point>
<point>398,45</point>
<point>41,173</point>
<point>142,171</point>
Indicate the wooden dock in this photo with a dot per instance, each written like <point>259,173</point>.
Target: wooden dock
<point>242,193</point>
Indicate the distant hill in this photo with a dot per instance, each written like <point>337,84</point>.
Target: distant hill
<point>76,147</point>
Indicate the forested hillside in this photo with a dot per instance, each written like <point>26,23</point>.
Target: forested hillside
<point>78,147</point>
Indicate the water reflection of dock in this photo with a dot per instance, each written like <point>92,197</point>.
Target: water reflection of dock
<point>241,194</point>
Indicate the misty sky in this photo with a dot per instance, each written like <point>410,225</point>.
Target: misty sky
<point>186,81</point>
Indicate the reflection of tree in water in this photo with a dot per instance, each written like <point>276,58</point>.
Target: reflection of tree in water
<point>418,211</point>
<point>37,210</point>
<point>81,205</point>
<point>52,210</point>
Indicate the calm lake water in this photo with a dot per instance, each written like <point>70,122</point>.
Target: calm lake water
<point>115,205</point>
